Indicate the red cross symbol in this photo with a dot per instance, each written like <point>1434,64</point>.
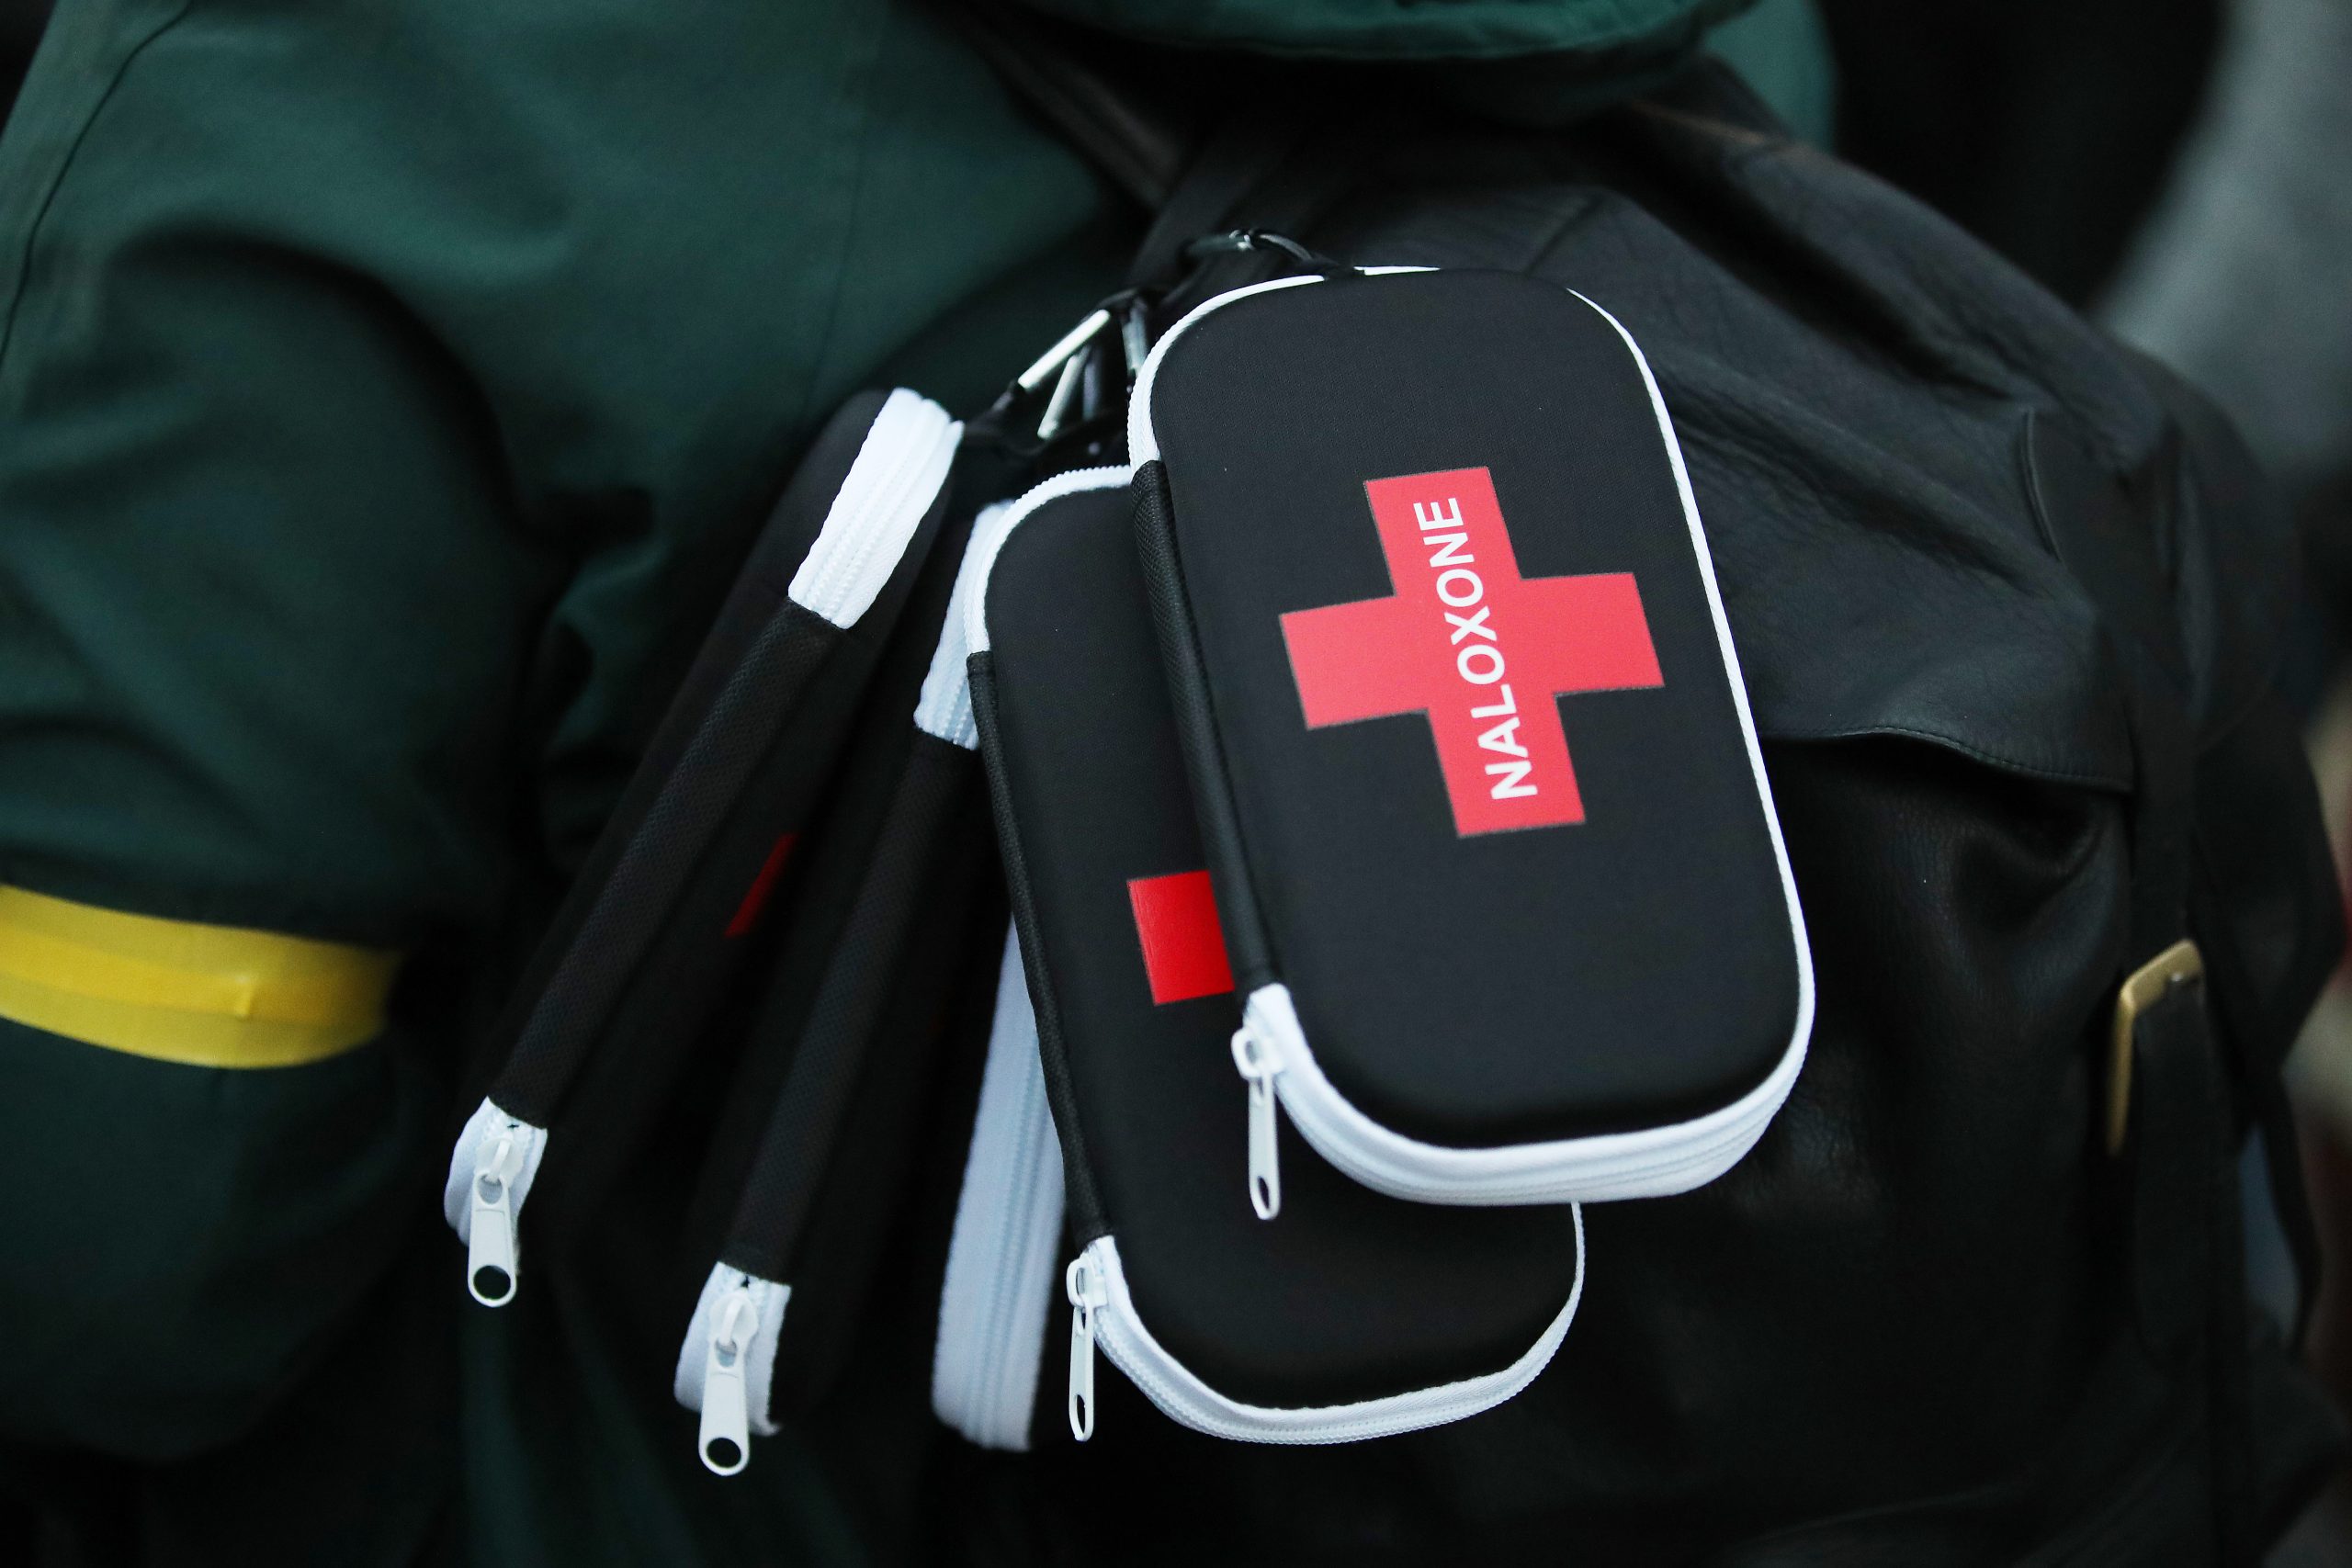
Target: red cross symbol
<point>1478,649</point>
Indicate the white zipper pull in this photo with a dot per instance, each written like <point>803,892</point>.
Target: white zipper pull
<point>1255,1056</point>
<point>490,1232</point>
<point>1086,1293</point>
<point>726,1438</point>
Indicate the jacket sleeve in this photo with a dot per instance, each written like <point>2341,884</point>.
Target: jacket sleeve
<point>384,387</point>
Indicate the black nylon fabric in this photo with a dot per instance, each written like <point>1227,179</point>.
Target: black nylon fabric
<point>871,1258</point>
<point>2116,542</point>
<point>2176,1144</point>
<point>841,1029</point>
<point>758,590</point>
<point>1903,1330</point>
<point>743,696</point>
<point>812,919</point>
<point>661,855</point>
<point>1083,1216</point>
<point>641,1227</point>
<point>660,861</point>
<point>855,1014</point>
<point>1346,1295</point>
<point>748,613</point>
<point>684,984</point>
<point>690,988</point>
<point>1193,713</point>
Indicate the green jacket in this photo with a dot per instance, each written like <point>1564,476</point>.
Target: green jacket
<point>384,390</point>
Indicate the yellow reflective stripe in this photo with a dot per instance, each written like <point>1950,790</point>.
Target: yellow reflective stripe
<point>213,995</point>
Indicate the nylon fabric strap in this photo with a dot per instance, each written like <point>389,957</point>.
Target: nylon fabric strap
<point>772,1211</point>
<point>1139,138</point>
<point>2176,1147</point>
<point>180,992</point>
<point>2185,1256</point>
<point>2102,537</point>
<point>1231,164</point>
<point>2231,993</point>
<point>660,858</point>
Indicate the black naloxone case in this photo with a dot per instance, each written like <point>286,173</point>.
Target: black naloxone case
<point>1491,837</point>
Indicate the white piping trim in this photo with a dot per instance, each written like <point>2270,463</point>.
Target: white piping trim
<point>1143,444</point>
<point>945,708</point>
<point>1649,1162</point>
<point>1183,1397</point>
<point>989,537</point>
<point>1003,1255</point>
<point>898,473</point>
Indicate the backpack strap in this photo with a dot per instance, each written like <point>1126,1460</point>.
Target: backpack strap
<point>2261,1040</point>
<point>1193,139</point>
<point>1141,138</point>
<point>2171,1116</point>
<point>1233,162</point>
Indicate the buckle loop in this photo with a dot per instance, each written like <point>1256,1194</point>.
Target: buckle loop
<point>2142,989</point>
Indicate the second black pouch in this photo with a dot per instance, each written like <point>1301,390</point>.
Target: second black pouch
<point>1355,1316</point>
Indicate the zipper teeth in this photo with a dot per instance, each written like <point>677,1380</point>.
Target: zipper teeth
<point>1001,1258</point>
<point>992,1372</point>
<point>889,487</point>
<point>889,496</point>
<point>1671,1160</point>
<point>889,499</point>
<point>1151,1368</point>
<point>1111,1332</point>
<point>1573,1178</point>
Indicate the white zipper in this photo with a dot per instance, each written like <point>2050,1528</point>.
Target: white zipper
<point>1001,1254</point>
<point>724,1439</point>
<point>1082,1282</point>
<point>1103,1314</point>
<point>490,1242</point>
<point>727,1363</point>
<point>889,487</point>
<point>490,1172</point>
<point>1603,1168</point>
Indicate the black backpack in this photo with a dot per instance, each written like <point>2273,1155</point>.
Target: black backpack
<point>2009,600</point>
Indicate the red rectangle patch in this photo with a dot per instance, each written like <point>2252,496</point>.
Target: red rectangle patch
<point>1183,946</point>
<point>755,899</point>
